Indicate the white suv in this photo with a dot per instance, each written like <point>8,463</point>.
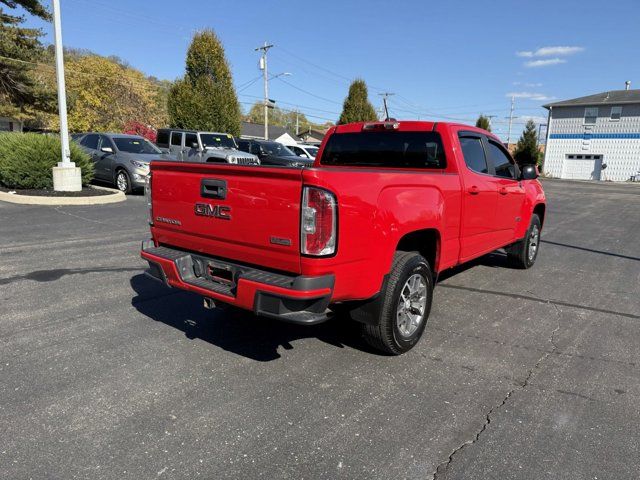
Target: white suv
<point>305,151</point>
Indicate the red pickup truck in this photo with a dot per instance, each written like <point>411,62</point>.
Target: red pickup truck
<point>364,232</point>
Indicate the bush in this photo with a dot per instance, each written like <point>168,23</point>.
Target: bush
<point>26,160</point>
<point>137,128</point>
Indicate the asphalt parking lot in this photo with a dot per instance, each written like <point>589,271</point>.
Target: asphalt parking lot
<point>522,374</point>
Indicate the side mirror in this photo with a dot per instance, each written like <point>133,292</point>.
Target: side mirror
<point>528,172</point>
<point>107,149</point>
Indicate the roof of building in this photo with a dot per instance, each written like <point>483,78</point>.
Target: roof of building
<point>613,97</point>
<point>256,130</point>
<point>313,133</point>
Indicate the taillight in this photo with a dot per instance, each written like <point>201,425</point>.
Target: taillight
<point>318,222</point>
<point>147,194</point>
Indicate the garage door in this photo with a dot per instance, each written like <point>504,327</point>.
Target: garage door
<point>582,167</point>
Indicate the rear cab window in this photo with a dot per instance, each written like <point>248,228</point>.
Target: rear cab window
<point>412,150</point>
<point>473,153</point>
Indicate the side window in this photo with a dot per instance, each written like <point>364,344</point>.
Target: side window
<point>473,153</point>
<point>243,145</point>
<point>176,139</point>
<point>190,139</point>
<point>90,141</point>
<point>105,142</point>
<point>298,151</point>
<point>501,161</point>
<point>255,149</point>
<point>163,138</point>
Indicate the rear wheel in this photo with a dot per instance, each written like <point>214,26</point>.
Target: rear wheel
<point>523,254</point>
<point>405,307</point>
<point>123,182</point>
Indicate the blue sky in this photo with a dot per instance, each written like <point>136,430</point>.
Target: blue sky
<point>443,60</point>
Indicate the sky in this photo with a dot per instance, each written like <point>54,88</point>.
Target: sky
<point>442,60</point>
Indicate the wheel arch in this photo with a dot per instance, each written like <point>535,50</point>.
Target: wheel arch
<point>540,210</point>
<point>426,242</point>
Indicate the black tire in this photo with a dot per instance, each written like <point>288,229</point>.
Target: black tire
<point>523,254</point>
<point>124,185</point>
<point>387,335</point>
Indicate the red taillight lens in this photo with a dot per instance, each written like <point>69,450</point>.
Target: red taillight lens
<point>318,222</point>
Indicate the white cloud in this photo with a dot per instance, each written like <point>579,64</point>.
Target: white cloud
<point>528,85</point>
<point>535,118</point>
<point>530,96</point>
<point>555,51</point>
<point>550,52</point>
<point>544,63</point>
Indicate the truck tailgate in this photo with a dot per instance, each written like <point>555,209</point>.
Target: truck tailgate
<point>248,214</point>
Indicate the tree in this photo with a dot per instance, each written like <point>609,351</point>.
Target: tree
<point>280,117</point>
<point>205,98</point>
<point>356,107</point>
<point>527,151</point>
<point>484,123</point>
<point>22,46</point>
<point>103,94</point>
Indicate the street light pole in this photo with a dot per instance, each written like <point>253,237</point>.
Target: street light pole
<point>66,176</point>
<point>513,99</point>
<point>263,66</point>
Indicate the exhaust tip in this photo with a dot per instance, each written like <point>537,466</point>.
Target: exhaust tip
<point>209,304</point>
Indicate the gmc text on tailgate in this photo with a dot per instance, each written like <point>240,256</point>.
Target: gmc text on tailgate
<point>363,232</point>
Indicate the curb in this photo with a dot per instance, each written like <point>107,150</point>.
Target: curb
<point>115,197</point>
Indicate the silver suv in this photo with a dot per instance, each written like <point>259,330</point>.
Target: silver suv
<point>197,146</point>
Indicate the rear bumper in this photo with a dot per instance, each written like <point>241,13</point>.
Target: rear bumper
<point>296,299</point>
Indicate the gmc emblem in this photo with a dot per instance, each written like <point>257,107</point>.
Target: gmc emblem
<point>216,211</point>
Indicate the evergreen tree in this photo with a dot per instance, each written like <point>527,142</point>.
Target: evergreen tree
<point>22,45</point>
<point>205,99</point>
<point>484,123</point>
<point>356,106</point>
<point>527,148</point>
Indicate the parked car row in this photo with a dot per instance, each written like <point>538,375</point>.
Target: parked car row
<point>123,160</point>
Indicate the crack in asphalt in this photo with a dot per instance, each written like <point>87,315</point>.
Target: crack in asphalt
<point>559,353</point>
<point>442,469</point>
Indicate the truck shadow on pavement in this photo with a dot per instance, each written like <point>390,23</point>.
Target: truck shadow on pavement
<point>232,329</point>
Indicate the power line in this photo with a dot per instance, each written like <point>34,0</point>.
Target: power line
<point>309,93</point>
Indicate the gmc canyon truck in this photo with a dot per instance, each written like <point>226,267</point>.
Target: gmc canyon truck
<point>363,233</point>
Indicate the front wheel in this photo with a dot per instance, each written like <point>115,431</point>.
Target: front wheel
<point>405,306</point>
<point>523,254</point>
<point>123,182</point>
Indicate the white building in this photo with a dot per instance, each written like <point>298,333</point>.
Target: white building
<point>276,133</point>
<point>587,133</point>
<point>10,125</point>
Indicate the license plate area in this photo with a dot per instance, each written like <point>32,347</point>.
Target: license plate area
<point>220,273</point>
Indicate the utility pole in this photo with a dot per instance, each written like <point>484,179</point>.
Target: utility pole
<point>490,117</point>
<point>384,96</point>
<point>263,66</point>
<point>513,99</point>
<point>66,176</point>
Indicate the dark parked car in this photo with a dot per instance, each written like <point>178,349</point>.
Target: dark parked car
<point>273,153</point>
<point>122,160</point>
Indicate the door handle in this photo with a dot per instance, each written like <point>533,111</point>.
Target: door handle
<point>503,191</point>
<point>473,190</point>
<point>213,188</point>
